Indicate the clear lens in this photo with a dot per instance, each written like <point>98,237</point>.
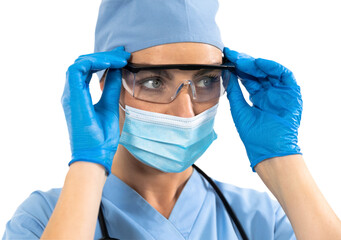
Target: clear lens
<point>159,86</point>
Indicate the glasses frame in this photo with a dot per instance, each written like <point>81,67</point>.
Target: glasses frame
<point>135,68</point>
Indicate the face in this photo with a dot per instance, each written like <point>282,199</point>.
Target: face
<point>174,53</point>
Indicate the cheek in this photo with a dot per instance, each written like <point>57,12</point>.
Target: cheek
<point>201,107</point>
<point>121,112</point>
<point>127,99</point>
<point>121,119</point>
<point>101,84</point>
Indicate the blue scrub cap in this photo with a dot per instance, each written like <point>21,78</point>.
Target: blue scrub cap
<point>139,24</point>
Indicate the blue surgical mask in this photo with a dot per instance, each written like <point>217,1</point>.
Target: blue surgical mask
<point>165,142</point>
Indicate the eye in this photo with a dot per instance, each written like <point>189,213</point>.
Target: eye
<point>151,83</point>
<point>207,81</point>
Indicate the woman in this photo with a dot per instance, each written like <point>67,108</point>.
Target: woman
<point>146,185</point>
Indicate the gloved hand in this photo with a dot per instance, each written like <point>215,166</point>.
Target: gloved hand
<point>93,129</point>
<point>269,128</point>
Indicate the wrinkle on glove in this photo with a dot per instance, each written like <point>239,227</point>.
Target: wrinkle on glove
<point>94,129</point>
<point>268,128</point>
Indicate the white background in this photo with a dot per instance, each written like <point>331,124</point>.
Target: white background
<point>41,38</point>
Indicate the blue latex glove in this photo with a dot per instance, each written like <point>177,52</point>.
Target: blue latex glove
<point>269,128</point>
<point>93,129</point>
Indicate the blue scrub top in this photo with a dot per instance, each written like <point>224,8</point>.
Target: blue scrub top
<point>197,214</point>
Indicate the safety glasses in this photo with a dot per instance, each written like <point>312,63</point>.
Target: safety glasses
<point>162,83</point>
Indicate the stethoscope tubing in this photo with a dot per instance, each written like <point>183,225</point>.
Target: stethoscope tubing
<point>216,189</point>
<point>225,202</point>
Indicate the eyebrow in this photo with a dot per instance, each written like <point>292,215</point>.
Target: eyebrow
<point>148,63</point>
<point>169,75</point>
<point>204,71</point>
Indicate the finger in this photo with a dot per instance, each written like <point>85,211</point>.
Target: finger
<point>236,98</point>
<point>77,102</point>
<point>251,83</point>
<point>232,55</point>
<point>79,74</point>
<point>76,91</point>
<point>271,81</point>
<point>247,65</point>
<point>76,88</point>
<point>112,90</point>
<point>119,51</point>
<point>276,72</point>
<point>253,78</point>
<point>244,63</point>
<point>94,62</point>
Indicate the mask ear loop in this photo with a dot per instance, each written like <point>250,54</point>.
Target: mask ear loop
<point>121,107</point>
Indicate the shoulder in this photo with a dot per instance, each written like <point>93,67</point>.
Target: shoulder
<point>31,217</point>
<point>258,211</point>
<point>248,198</point>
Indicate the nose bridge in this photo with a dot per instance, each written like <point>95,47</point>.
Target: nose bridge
<point>189,84</point>
<point>181,105</point>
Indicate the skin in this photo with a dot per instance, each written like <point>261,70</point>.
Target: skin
<point>161,189</point>
<point>287,177</point>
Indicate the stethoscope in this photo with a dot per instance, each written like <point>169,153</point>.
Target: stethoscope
<point>216,189</point>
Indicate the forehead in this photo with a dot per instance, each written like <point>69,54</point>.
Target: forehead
<point>178,53</point>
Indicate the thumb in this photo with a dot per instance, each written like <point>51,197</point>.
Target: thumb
<point>111,90</point>
<point>236,98</point>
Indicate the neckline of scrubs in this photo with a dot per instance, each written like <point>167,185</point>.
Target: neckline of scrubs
<point>182,217</point>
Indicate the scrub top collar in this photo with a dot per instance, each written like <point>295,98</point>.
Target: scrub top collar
<point>183,215</point>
